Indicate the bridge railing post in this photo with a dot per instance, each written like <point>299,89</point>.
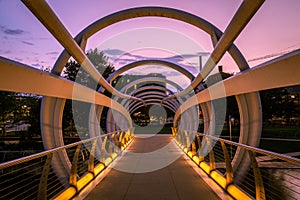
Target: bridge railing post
<point>212,160</point>
<point>229,171</point>
<point>91,162</point>
<point>200,152</point>
<point>259,185</point>
<point>187,141</point>
<point>42,191</point>
<point>73,172</point>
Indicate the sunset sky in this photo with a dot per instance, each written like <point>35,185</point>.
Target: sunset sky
<point>274,29</point>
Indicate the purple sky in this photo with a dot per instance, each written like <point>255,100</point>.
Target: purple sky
<point>274,29</point>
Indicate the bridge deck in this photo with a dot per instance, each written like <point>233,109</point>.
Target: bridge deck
<point>177,180</point>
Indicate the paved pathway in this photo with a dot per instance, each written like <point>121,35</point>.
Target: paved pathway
<point>177,180</point>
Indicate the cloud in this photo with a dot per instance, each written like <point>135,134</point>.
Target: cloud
<point>36,65</point>
<point>5,52</point>
<point>171,73</point>
<point>18,59</point>
<point>125,60</point>
<point>114,52</point>
<point>127,57</point>
<point>182,56</point>
<point>13,31</point>
<point>52,53</point>
<point>28,43</point>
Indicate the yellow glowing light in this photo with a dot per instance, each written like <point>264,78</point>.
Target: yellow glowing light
<point>196,159</point>
<point>185,150</point>
<point>99,169</point>
<point>114,155</point>
<point>218,178</point>
<point>107,161</point>
<point>237,193</point>
<point>190,154</point>
<point>84,181</point>
<point>205,167</point>
<point>67,194</point>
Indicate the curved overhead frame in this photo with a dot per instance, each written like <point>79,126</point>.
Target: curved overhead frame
<point>245,12</point>
<point>283,71</point>
<point>156,95</point>
<point>152,88</point>
<point>160,91</point>
<point>96,115</point>
<point>146,80</point>
<point>48,18</point>
<point>150,99</point>
<point>150,80</point>
<point>149,102</point>
<point>202,24</point>
<point>109,123</point>
<point>140,63</point>
<point>30,80</point>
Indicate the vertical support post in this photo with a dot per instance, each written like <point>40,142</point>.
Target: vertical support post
<point>173,131</point>
<point>187,141</point>
<point>111,143</point>
<point>121,139</point>
<point>103,149</point>
<point>212,160</point>
<point>73,172</point>
<point>91,164</point>
<point>194,148</point>
<point>42,192</point>
<point>179,137</point>
<point>259,185</point>
<point>229,171</point>
<point>200,153</point>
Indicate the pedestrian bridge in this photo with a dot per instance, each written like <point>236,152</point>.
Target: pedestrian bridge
<point>122,163</point>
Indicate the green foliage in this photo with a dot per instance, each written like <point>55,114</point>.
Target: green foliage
<point>277,103</point>
<point>73,71</point>
<point>34,103</point>
<point>17,107</point>
<point>7,104</point>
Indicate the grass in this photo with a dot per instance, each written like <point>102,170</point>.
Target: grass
<point>280,146</point>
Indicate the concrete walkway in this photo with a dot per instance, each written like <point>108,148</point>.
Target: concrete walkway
<point>177,180</point>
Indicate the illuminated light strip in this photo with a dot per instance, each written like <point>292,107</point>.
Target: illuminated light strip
<point>85,183</point>
<point>91,185</point>
<point>218,178</point>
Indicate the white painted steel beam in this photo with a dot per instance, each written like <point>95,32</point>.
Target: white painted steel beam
<point>139,63</point>
<point>280,72</point>
<point>17,77</point>
<point>49,19</point>
<point>241,18</point>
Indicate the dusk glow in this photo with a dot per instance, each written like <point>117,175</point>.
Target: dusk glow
<point>274,30</point>
<point>149,99</point>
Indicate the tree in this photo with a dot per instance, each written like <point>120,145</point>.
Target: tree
<point>277,103</point>
<point>8,104</point>
<point>73,71</point>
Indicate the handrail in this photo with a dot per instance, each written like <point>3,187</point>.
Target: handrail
<point>32,176</point>
<point>44,153</point>
<point>284,157</point>
<point>252,186</point>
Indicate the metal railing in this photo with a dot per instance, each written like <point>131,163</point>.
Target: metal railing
<point>33,177</point>
<point>269,175</point>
